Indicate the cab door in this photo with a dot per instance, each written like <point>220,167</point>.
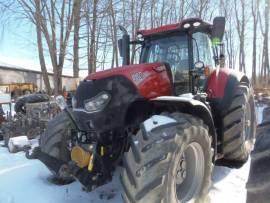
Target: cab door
<point>202,52</point>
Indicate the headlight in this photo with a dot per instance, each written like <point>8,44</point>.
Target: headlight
<point>97,103</point>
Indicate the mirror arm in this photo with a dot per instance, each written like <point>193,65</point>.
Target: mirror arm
<point>136,42</point>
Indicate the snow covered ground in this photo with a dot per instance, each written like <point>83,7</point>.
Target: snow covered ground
<point>26,181</point>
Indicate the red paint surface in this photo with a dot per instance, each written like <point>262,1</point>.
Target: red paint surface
<point>170,27</point>
<point>160,29</point>
<point>155,81</point>
<point>217,82</point>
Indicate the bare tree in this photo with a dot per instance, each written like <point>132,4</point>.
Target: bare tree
<point>38,20</point>
<point>241,28</point>
<point>225,9</point>
<point>255,13</point>
<point>33,12</point>
<point>137,9</point>
<point>56,21</point>
<point>113,26</point>
<point>200,8</point>
<point>92,27</point>
<point>265,33</point>
<point>95,29</point>
<point>5,14</point>
<point>77,18</point>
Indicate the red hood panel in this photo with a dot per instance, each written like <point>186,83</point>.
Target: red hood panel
<point>151,80</point>
<point>124,70</point>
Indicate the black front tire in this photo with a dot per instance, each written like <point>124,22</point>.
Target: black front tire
<point>150,165</point>
<point>54,142</point>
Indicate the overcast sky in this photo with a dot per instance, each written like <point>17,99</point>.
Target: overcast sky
<point>18,47</point>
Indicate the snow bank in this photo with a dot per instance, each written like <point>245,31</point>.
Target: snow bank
<point>26,181</point>
<point>20,143</point>
<point>6,108</point>
<point>259,112</point>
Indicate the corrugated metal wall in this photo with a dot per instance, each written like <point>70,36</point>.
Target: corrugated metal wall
<point>8,76</point>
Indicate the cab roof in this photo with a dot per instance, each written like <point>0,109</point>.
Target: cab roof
<point>181,26</point>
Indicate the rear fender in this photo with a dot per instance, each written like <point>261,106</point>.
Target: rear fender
<point>193,107</point>
<point>222,84</point>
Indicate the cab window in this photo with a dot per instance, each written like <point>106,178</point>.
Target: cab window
<point>202,50</point>
<point>174,51</point>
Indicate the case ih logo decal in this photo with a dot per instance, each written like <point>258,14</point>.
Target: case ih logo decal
<point>138,77</point>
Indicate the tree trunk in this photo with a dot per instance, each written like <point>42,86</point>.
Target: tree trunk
<point>76,7</point>
<point>114,33</point>
<point>254,52</point>
<point>266,72</point>
<point>40,48</point>
<point>241,27</point>
<point>92,51</point>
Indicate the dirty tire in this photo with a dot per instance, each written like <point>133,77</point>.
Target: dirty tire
<point>239,133</point>
<point>54,142</point>
<point>29,98</point>
<point>258,185</point>
<point>149,173</point>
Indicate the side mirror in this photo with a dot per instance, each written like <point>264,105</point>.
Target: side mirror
<point>218,30</point>
<point>123,44</point>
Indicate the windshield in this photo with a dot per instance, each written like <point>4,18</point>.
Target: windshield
<point>172,50</point>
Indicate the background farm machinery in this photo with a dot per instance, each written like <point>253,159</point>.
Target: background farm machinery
<point>28,116</point>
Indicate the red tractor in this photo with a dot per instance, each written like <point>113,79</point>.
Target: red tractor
<point>167,120</point>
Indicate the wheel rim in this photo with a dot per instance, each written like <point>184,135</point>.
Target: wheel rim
<point>189,173</point>
<point>247,127</point>
<point>247,122</point>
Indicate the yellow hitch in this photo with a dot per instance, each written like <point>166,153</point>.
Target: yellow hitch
<point>80,156</point>
<point>91,163</point>
<point>102,151</point>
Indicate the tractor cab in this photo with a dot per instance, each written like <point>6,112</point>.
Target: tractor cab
<point>188,48</point>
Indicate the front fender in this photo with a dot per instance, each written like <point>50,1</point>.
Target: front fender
<point>187,104</point>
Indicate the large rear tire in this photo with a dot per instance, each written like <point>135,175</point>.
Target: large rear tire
<point>258,185</point>
<point>239,127</point>
<point>170,160</point>
<point>54,142</point>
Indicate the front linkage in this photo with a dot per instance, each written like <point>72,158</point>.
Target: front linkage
<point>97,172</point>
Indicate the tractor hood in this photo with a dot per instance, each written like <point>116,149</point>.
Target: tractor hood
<point>111,92</point>
<point>146,81</point>
<point>127,71</point>
<point>150,79</point>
